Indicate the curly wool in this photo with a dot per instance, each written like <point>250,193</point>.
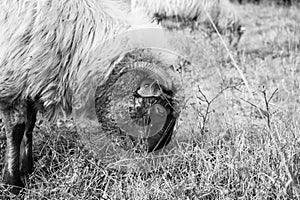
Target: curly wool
<point>50,49</point>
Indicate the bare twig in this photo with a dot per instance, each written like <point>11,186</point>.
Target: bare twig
<point>275,138</point>
<point>267,104</point>
<point>208,103</point>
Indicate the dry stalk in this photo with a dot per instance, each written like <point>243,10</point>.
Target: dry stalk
<point>208,103</point>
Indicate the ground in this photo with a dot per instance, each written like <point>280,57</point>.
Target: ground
<point>237,137</point>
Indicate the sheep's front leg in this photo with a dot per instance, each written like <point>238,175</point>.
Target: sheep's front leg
<point>26,159</point>
<point>14,121</point>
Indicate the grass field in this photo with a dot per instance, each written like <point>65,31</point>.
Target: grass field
<point>238,136</point>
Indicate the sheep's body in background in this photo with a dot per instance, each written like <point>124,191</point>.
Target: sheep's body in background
<point>270,2</point>
<point>194,13</point>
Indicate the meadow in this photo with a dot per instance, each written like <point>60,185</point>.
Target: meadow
<point>238,135</point>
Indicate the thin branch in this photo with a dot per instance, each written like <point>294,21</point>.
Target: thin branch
<point>271,97</point>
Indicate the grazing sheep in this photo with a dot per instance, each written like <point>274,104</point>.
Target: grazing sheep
<point>49,50</point>
<point>194,13</point>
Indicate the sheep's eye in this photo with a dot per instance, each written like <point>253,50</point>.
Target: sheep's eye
<point>146,85</point>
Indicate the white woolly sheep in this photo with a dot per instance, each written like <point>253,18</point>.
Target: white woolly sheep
<point>49,50</point>
<point>194,13</point>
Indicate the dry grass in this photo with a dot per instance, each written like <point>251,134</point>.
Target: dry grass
<point>244,149</point>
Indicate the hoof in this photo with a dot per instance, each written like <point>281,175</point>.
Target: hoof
<point>13,185</point>
<point>14,188</point>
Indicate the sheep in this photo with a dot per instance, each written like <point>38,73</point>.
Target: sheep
<point>277,2</point>
<point>49,51</point>
<point>193,13</point>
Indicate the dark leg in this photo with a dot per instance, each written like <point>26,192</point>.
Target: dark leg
<point>26,160</point>
<point>15,125</point>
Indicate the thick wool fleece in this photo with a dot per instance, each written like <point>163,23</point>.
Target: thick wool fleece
<point>50,49</point>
